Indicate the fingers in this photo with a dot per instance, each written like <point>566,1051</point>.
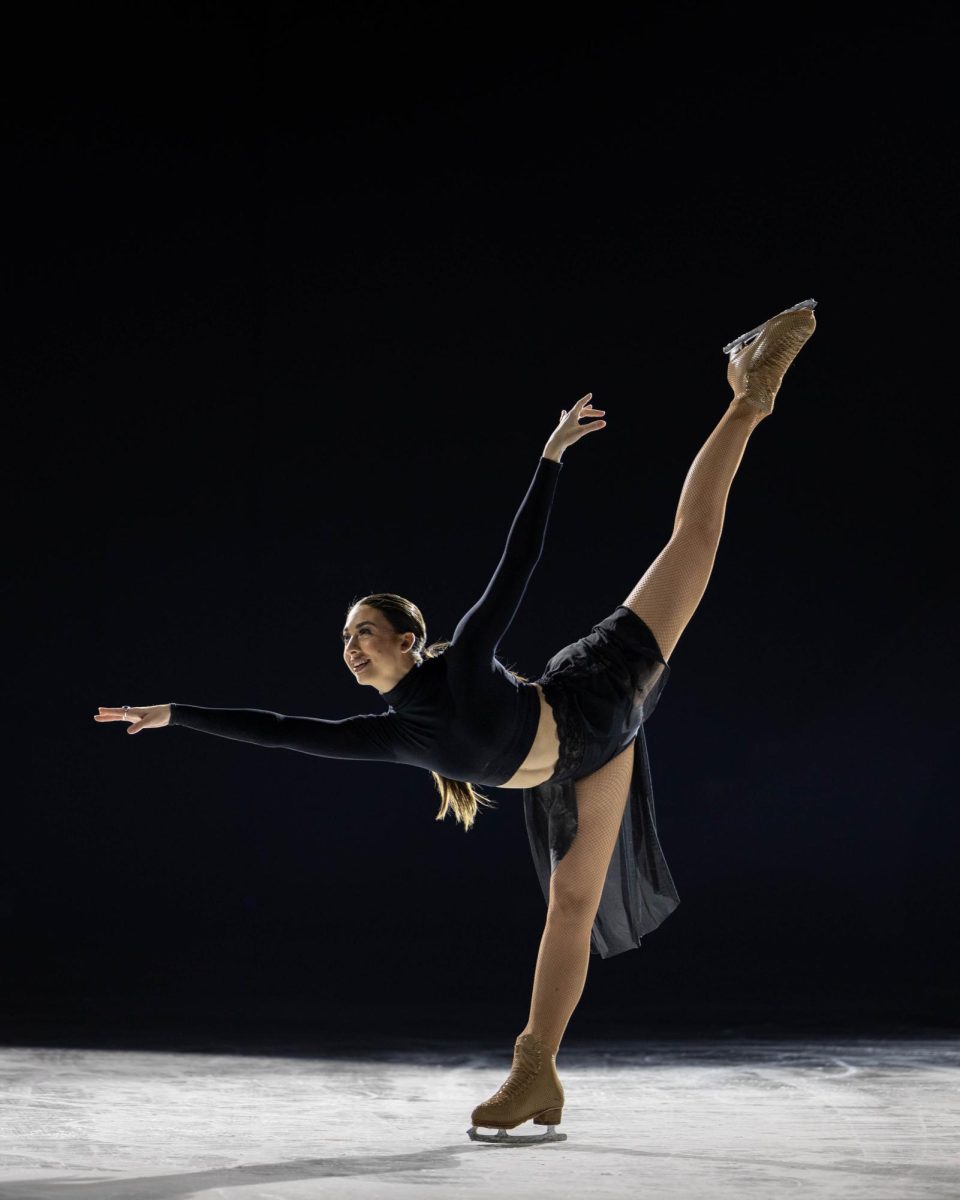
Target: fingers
<point>111,714</point>
<point>586,409</point>
<point>136,715</point>
<point>593,427</point>
<point>117,714</point>
<point>583,408</point>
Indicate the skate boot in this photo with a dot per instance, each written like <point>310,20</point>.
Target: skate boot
<point>759,359</point>
<point>531,1090</point>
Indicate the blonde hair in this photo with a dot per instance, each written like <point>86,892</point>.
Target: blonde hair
<point>456,796</point>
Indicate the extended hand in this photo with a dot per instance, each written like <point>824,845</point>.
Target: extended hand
<point>154,716</point>
<point>570,430</point>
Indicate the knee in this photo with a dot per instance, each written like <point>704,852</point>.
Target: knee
<point>572,901</point>
<point>698,531</point>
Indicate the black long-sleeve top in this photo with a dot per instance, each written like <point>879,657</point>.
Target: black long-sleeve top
<point>461,714</point>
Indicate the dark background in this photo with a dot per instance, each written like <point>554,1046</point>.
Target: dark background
<point>297,294</point>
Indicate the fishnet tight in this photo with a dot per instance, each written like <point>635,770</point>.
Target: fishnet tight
<point>575,888</point>
<point>665,598</point>
<point>673,585</point>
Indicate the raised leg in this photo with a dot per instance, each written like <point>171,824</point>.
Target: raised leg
<point>668,593</point>
<point>576,885</point>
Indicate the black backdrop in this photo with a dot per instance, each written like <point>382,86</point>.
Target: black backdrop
<point>298,293</point>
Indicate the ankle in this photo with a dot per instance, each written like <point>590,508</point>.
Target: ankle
<point>742,408</point>
<point>548,1047</point>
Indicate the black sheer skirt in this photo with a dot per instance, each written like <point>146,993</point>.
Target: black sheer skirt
<point>602,688</point>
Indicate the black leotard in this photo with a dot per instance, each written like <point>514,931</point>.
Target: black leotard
<point>461,714</point>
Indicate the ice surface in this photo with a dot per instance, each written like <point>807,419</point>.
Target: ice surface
<point>872,1119</point>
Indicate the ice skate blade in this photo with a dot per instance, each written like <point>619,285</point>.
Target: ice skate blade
<point>502,1138</point>
<point>742,340</point>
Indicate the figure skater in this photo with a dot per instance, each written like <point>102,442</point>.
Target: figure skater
<point>572,741</point>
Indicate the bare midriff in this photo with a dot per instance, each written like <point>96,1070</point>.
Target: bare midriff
<point>541,762</point>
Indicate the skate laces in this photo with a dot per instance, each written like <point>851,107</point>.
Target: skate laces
<point>775,347</point>
<point>759,365</point>
<point>525,1069</point>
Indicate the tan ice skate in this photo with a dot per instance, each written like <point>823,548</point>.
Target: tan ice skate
<point>531,1090</point>
<point>759,358</point>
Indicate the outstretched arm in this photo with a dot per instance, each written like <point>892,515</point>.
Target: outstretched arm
<point>483,626</point>
<point>368,736</point>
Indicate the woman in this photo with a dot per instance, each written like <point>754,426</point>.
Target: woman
<point>573,740</point>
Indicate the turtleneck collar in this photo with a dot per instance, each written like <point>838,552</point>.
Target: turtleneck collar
<point>401,695</point>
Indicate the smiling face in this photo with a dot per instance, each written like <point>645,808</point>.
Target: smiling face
<point>373,650</point>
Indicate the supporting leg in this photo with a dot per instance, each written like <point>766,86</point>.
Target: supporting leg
<point>576,886</point>
<point>533,1089</point>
